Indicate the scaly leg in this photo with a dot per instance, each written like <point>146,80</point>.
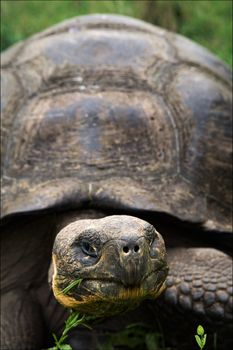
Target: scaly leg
<point>199,290</point>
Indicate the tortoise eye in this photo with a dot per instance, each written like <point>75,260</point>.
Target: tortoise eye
<point>88,249</point>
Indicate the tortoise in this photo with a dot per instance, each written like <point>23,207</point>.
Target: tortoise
<point>116,138</point>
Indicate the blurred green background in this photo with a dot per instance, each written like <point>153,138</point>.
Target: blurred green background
<point>206,22</point>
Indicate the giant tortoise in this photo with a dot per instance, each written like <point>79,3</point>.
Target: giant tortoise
<point>114,130</point>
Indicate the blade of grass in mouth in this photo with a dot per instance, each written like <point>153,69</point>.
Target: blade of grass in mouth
<point>71,286</point>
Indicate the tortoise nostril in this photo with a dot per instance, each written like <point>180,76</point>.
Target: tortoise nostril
<point>125,249</point>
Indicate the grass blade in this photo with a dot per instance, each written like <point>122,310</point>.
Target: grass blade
<point>71,285</point>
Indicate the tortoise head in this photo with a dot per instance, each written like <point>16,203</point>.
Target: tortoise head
<point>119,261</point>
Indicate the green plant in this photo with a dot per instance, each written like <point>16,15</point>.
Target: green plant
<point>200,337</point>
<point>71,285</point>
<point>72,321</point>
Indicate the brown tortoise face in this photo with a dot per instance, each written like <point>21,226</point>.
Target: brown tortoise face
<point>120,260</point>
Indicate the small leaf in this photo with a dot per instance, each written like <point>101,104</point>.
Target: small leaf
<point>200,330</point>
<point>87,326</point>
<point>204,340</point>
<point>54,336</point>
<point>198,340</point>
<point>65,347</point>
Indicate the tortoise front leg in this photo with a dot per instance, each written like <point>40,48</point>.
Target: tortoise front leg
<point>22,326</point>
<point>199,290</point>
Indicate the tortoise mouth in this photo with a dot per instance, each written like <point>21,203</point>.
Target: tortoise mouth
<point>107,296</point>
<point>104,281</point>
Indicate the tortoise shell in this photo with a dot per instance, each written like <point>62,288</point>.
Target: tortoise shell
<point>108,111</point>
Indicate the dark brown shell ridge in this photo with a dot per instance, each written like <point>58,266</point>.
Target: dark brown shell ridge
<point>107,109</point>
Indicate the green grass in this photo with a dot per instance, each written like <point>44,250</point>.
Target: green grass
<point>71,285</point>
<point>207,22</point>
<point>211,26</point>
